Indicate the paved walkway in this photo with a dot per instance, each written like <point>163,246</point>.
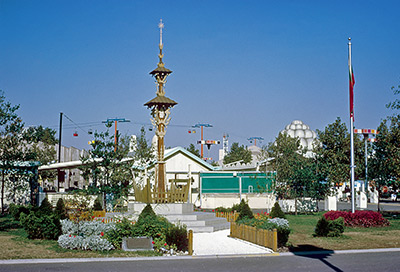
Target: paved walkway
<point>218,243</point>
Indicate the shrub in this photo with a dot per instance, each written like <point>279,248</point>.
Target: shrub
<point>364,219</point>
<point>329,228</point>
<point>45,207</point>
<point>282,227</point>
<point>124,228</point>
<point>276,211</point>
<point>16,210</point>
<point>177,235</point>
<point>41,226</point>
<point>8,222</point>
<point>97,205</point>
<point>93,242</point>
<point>60,209</point>
<point>244,211</point>
<point>147,211</point>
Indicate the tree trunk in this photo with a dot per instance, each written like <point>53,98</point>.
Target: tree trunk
<point>2,191</point>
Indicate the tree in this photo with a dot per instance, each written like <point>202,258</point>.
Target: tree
<point>191,148</point>
<point>104,166</point>
<point>384,167</point>
<point>238,153</point>
<point>332,151</point>
<point>11,150</point>
<point>40,146</point>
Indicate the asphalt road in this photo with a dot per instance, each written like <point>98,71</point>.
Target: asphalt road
<point>367,261</point>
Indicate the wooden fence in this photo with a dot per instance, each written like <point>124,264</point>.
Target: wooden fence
<point>178,193</point>
<point>262,237</point>
<point>230,216</point>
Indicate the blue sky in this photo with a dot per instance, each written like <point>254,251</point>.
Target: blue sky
<point>249,68</point>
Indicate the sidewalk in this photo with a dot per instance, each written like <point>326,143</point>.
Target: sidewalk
<point>218,243</point>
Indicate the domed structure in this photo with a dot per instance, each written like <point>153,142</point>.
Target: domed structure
<point>306,136</point>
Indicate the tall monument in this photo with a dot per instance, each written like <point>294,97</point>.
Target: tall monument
<point>160,110</point>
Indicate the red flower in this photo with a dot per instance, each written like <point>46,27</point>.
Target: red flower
<point>153,242</point>
<point>213,210</point>
<point>165,244</point>
<point>74,236</point>
<point>102,220</point>
<point>93,217</point>
<point>258,214</point>
<point>70,235</point>
<point>102,233</point>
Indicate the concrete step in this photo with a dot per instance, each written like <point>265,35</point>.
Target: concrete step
<point>200,221</point>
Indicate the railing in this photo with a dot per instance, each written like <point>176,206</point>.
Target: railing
<point>230,216</point>
<point>262,237</point>
<point>176,194</point>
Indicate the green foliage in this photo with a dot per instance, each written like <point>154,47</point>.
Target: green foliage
<point>177,235</point>
<point>97,205</point>
<point>152,226</point>
<point>8,222</point>
<point>104,168</point>
<point>147,211</point>
<point>276,211</point>
<point>45,207</point>
<point>122,229</point>
<point>238,153</point>
<point>17,210</point>
<point>60,209</point>
<point>333,153</point>
<point>41,226</point>
<point>244,211</point>
<point>329,228</point>
<point>40,134</point>
<point>192,149</point>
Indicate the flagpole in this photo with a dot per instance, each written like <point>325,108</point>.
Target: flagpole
<point>351,132</point>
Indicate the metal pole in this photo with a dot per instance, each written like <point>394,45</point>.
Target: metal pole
<point>59,138</point>
<point>351,141</point>
<point>366,163</point>
<point>202,142</point>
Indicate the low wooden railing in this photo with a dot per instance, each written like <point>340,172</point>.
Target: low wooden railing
<point>230,216</point>
<point>176,194</point>
<point>262,237</point>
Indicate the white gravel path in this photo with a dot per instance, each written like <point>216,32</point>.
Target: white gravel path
<point>218,243</point>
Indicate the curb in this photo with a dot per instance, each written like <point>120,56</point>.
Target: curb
<point>216,256</point>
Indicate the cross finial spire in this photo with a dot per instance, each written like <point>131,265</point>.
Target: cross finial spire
<point>161,26</point>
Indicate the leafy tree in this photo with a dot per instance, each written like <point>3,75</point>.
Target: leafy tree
<point>238,153</point>
<point>191,148</point>
<point>40,146</point>
<point>332,151</point>
<point>103,166</point>
<point>384,167</point>
<point>11,150</point>
<point>286,152</point>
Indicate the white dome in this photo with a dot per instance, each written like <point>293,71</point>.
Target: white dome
<point>302,131</point>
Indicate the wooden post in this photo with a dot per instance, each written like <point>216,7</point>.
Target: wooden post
<point>275,241</point>
<point>190,244</point>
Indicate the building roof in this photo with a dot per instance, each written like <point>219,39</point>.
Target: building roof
<point>173,151</point>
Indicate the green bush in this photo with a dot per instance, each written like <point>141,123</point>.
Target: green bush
<point>276,211</point>
<point>8,222</point>
<point>125,228</point>
<point>60,209</point>
<point>147,211</point>
<point>97,205</point>
<point>244,211</point>
<point>16,210</point>
<point>45,207</point>
<point>177,235</point>
<point>329,228</point>
<point>155,227</point>
<point>41,226</point>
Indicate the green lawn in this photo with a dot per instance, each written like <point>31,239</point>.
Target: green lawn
<point>16,245</point>
<point>301,237</point>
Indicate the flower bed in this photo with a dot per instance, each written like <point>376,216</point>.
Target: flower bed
<point>365,219</point>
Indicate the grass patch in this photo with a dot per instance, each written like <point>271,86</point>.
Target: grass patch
<point>16,245</point>
<point>353,238</point>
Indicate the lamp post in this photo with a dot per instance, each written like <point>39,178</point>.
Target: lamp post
<point>160,110</point>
